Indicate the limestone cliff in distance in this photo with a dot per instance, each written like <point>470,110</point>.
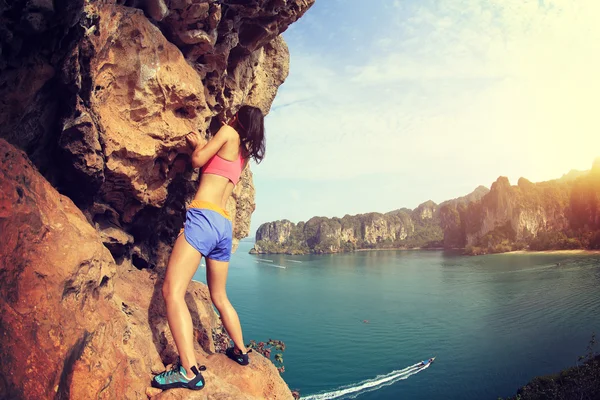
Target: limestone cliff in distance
<point>553,215</point>
<point>401,228</point>
<point>558,214</point>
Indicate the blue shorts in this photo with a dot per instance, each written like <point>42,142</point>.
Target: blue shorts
<point>208,229</point>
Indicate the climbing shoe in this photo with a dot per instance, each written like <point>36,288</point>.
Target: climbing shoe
<point>237,356</point>
<point>176,378</point>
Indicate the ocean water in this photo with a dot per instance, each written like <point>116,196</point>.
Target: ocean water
<point>355,325</point>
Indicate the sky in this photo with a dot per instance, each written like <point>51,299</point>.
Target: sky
<point>390,103</point>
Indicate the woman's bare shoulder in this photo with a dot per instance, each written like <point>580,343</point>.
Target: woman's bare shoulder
<point>228,132</point>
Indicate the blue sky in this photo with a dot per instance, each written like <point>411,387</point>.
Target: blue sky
<point>392,103</point>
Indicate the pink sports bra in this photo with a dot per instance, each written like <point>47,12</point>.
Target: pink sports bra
<point>231,170</point>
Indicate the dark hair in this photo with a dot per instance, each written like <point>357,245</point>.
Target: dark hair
<point>251,124</point>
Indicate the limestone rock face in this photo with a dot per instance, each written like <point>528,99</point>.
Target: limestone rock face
<point>74,324</point>
<point>376,229</point>
<point>57,309</point>
<point>425,226</point>
<point>562,213</point>
<point>241,204</point>
<point>333,235</point>
<point>277,232</point>
<point>426,210</point>
<point>522,209</point>
<point>100,94</point>
<point>557,214</point>
<point>322,234</point>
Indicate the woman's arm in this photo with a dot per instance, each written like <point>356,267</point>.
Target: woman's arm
<point>202,154</point>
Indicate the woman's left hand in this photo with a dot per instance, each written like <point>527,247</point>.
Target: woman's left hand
<point>193,139</point>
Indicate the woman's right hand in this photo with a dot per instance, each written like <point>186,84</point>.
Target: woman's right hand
<point>193,139</point>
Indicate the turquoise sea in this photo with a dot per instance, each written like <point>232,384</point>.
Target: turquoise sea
<point>356,324</point>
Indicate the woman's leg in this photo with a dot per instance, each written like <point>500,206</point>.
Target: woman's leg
<point>183,262</point>
<point>216,277</point>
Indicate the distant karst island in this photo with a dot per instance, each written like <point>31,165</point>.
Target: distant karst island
<point>561,214</point>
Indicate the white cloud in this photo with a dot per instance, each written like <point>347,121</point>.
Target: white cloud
<point>464,83</point>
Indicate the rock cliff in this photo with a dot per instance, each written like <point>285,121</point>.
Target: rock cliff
<point>99,96</point>
<point>76,325</point>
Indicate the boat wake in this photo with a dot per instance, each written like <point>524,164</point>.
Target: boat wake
<point>271,265</point>
<point>369,385</point>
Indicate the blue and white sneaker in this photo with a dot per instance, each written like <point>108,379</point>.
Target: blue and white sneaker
<point>176,378</point>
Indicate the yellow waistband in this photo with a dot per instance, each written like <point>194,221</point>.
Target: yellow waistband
<point>209,206</point>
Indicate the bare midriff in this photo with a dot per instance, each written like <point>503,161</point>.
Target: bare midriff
<point>214,189</point>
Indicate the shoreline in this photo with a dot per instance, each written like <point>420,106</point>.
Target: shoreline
<point>360,251</point>
<point>565,252</point>
<point>556,252</point>
<point>398,248</point>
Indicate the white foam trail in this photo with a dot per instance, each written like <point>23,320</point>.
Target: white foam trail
<point>262,259</point>
<point>401,378</point>
<point>370,384</point>
<point>294,261</point>
<point>272,265</point>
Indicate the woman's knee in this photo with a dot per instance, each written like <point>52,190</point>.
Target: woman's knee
<point>172,291</point>
<point>219,299</point>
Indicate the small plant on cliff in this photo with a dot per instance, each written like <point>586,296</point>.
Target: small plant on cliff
<point>266,349</point>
